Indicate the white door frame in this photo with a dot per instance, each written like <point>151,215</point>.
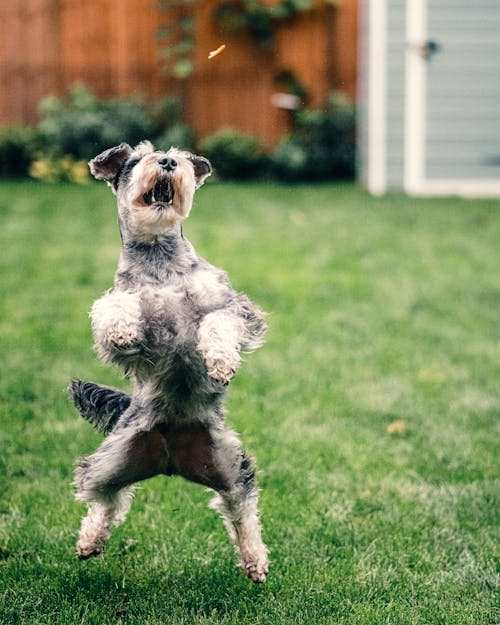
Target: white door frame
<point>377,97</point>
<point>415,181</point>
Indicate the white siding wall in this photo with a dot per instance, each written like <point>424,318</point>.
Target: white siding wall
<point>463,90</point>
<point>396,43</point>
<point>362,99</point>
<point>460,138</point>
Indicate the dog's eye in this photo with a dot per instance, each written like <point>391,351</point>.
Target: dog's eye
<point>129,166</point>
<point>124,172</point>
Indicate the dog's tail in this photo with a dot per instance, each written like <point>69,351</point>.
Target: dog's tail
<point>98,404</point>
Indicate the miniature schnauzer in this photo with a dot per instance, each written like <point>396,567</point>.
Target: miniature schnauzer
<point>175,325</point>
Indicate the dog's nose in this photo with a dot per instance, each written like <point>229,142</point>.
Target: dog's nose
<point>168,163</point>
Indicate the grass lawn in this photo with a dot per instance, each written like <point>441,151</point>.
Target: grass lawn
<point>372,410</point>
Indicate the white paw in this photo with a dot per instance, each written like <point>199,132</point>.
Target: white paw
<point>116,319</point>
<point>87,549</point>
<point>256,570</point>
<point>222,366</point>
<point>121,335</point>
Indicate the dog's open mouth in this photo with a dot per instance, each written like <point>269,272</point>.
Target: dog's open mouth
<point>161,193</point>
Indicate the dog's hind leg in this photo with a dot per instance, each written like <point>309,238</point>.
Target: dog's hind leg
<point>101,517</point>
<point>238,508</point>
<point>104,482</point>
<point>214,457</point>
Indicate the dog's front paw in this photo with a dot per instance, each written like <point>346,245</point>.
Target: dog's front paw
<point>222,367</point>
<point>122,336</point>
<point>116,322</point>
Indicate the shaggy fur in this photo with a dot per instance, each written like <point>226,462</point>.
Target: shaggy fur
<point>177,328</point>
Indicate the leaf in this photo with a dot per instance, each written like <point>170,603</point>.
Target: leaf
<point>396,427</point>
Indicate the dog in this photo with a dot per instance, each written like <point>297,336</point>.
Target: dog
<point>174,324</point>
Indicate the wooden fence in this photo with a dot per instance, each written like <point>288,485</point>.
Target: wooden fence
<point>46,46</point>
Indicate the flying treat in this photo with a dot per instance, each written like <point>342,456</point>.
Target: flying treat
<point>217,52</point>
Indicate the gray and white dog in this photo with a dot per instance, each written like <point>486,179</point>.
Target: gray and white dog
<point>175,325</point>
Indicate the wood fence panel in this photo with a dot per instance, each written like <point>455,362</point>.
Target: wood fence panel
<point>47,46</point>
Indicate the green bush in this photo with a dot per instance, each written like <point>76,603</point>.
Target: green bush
<point>60,169</point>
<point>175,132</point>
<point>178,136</point>
<point>322,145</point>
<point>234,154</point>
<point>18,146</point>
<point>75,129</point>
<point>83,125</point>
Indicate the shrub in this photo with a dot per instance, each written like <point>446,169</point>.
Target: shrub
<point>18,147</point>
<point>83,125</point>
<point>322,145</point>
<point>65,168</point>
<point>234,154</point>
<point>73,130</point>
<point>178,136</point>
<point>175,132</point>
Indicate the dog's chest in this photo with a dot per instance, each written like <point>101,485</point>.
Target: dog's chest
<point>186,296</point>
<point>207,289</point>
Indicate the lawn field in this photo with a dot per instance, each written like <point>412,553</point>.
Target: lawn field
<point>373,412</point>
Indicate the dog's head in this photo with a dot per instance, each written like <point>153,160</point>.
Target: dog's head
<point>154,189</point>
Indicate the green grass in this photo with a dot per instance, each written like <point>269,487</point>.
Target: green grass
<point>381,310</point>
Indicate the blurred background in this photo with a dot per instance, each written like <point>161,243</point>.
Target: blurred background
<point>422,75</point>
<point>155,49</point>
<point>282,63</point>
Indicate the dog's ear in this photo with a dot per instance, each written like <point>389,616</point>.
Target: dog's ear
<point>202,168</point>
<point>106,165</point>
